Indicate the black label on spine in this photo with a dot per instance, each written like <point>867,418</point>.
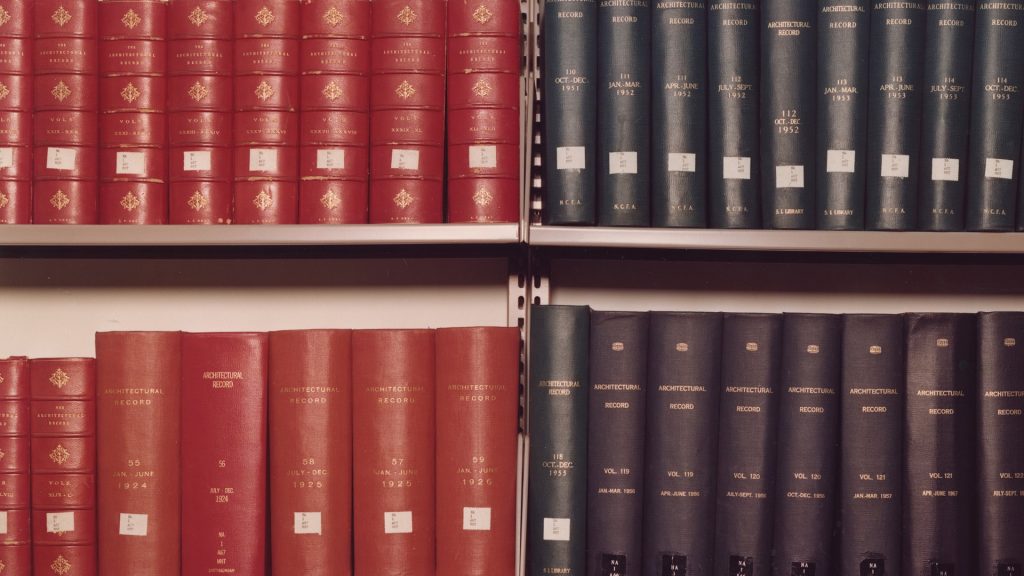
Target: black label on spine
<point>740,566</point>
<point>801,569</point>
<point>675,565</point>
<point>1003,569</point>
<point>940,569</point>
<point>872,567</point>
<point>613,565</point>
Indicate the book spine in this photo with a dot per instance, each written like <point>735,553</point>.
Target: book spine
<point>223,453</point>
<point>138,410</point>
<point>843,41</point>
<point>393,403</point>
<point>734,173</point>
<point>997,117</point>
<point>334,164</point>
<point>133,112</point>
<point>557,429</point>
<point>938,445</point>
<point>896,64</point>
<point>615,442</point>
<point>65,123</point>
<point>15,425</point>
<point>63,423</point>
<point>200,101</point>
<point>16,114</point>
<point>623,106</point>
<point>679,125</point>
<point>808,455</point>
<point>483,123</point>
<point>569,97</point>
<point>266,121</point>
<point>747,429</point>
<point>478,410</point>
<point>949,41</point>
<point>788,64</point>
<point>406,157</point>
<point>683,393</point>
<point>1000,428</point>
<point>310,406</point>
<point>871,432</point>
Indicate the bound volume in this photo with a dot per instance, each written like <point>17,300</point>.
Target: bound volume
<point>16,113</point>
<point>15,389</point>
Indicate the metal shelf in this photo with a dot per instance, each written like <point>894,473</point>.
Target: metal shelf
<point>778,240</point>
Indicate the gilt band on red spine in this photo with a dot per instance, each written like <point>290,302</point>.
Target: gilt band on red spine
<point>335,141</point>
<point>484,125</point>
<point>15,542</point>
<point>266,111</point>
<point>65,98</point>
<point>200,102</point>
<point>15,112</point>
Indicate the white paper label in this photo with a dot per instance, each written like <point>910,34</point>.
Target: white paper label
<point>58,522</point>
<point>133,524</point>
<point>946,169</point>
<point>262,159</point>
<point>736,168</point>
<point>308,523</point>
<point>197,160</point>
<point>131,163</point>
<point>895,165</point>
<point>405,159</point>
<point>476,518</point>
<point>841,161</point>
<point>682,162</point>
<point>789,176</point>
<point>330,158</point>
<point>6,158</point>
<point>571,158</point>
<point>3,522</point>
<point>556,529</point>
<point>998,168</point>
<point>483,156</point>
<point>61,158</point>
<point>622,163</point>
<point>398,522</point>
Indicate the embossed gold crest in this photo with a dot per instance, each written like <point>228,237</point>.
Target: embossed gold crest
<point>1,377</point>
<point>60,16</point>
<point>4,201</point>
<point>3,566</point>
<point>751,346</point>
<point>403,199</point>
<point>60,200</point>
<point>264,91</point>
<point>131,19</point>
<point>59,378</point>
<point>330,199</point>
<point>130,93</point>
<point>197,201</point>
<point>60,454</point>
<point>5,17</point>
<point>60,566</point>
<point>333,16</point>
<point>264,17</point>
<point>130,202</point>
<point>2,454</point>
<point>263,200</point>
<point>198,17</point>
<point>482,197</point>
<point>332,91</point>
<point>875,350</point>
<point>481,88</point>
<point>405,90</point>
<point>482,14</point>
<point>61,91</point>
<point>4,91</point>
<point>197,92</point>
<point>407,16</point>
<point>682,347</point>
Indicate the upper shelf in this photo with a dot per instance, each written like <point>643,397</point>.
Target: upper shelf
<point>778,240</point>
<point>255,235</point>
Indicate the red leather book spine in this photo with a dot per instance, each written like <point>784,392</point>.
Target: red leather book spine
<point>200,104</point>
<point>267,47</point>
<point>223,453</point>
<point>138,406</point>
<point>65,100</point>
<point>406,180</point>
<point>477,427</point>
<point>335,165</point>
<point>311,452</point>
<point>15,423</point>
<point>393,436</point>
<point>15,112</point>
<point>133,112</point>
<point>484,159</point>
<point>63,429</point>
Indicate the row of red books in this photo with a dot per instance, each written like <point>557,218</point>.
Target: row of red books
<point>259,111</point>
<point>390,452</point>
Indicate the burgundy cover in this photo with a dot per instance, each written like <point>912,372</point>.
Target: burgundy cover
<point>223,453</point>
<point>16,93</point>
<point>15,425</point>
